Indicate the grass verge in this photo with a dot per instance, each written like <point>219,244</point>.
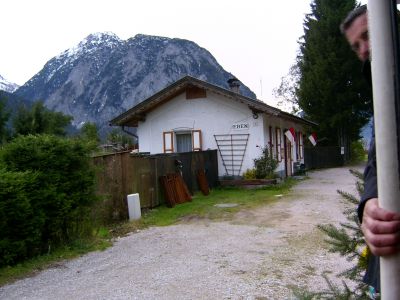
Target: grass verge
<point>200,207</point>
<point>203,207</point>
<point>30,267</point>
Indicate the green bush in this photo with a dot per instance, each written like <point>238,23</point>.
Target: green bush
<point>249,174</point>
<point>265,165</point>
<point>63,180</point>
<point>357,152</point>
<point>20,222</point>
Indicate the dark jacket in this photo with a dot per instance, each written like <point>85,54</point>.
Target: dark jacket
<point>370,178</point>
<point>372,275</point>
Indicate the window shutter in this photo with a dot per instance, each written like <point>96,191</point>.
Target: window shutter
<point>168,139</point>
<point>271,143</point>
<point>279,153</point>
<point>196,140</point>
<point>301,146</point>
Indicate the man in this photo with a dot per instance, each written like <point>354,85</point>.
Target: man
<point>381,228</point>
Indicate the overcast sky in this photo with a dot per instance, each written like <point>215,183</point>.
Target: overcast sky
<point>256,40</point>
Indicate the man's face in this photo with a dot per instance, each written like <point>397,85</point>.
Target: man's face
<point>357,36</point>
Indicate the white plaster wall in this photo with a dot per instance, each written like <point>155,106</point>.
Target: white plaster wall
<point>275,121</point>
<point>212,115</point>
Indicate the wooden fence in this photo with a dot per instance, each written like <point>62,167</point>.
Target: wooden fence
<point>121,174</point>
<point>323,157</point>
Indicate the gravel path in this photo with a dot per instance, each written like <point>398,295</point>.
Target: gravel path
<point>260,254</point>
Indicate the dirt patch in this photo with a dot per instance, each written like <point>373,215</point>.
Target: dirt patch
<point>259,254</point>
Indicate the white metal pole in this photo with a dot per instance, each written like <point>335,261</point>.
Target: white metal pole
<point>383,70</point>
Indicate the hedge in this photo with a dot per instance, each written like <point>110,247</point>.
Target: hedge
<point>47,189</point>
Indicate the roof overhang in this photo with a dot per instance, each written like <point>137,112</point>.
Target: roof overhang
<point>133,116</point>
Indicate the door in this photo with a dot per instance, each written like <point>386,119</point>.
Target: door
<point>288,157</point>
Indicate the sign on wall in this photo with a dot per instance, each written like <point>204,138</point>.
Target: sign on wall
<point>240,126</point>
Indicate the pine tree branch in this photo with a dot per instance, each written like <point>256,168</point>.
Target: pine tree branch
<point>349,197</point>
<point>357,174</point>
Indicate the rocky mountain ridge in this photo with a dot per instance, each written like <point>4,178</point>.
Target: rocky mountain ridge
<point>7,86</point>
<point>104,76</point>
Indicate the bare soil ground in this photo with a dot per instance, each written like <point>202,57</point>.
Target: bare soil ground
<point>259,254</point>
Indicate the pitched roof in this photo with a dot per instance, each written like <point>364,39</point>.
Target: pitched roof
<point>131,117</point>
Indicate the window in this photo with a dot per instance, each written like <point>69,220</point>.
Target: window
<point>279,153</point>
<point>185,141</point>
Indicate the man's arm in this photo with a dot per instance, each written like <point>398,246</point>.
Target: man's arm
<point>381,229</point>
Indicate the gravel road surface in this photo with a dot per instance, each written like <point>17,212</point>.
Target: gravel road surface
<point>259,254</point>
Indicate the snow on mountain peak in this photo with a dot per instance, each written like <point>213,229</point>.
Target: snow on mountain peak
<point>98,38</point>
<point>7,86</point>
<point>91,42</point>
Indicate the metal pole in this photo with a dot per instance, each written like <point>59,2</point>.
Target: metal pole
<point>384,91</point>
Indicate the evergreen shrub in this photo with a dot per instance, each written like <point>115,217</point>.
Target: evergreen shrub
<point>51,187</point>
<point>249,174</point>
<point>265,165</point>
<point>357,152</point>
<point>20,222</point>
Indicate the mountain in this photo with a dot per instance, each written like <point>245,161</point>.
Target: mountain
<point>104,76</point>
<point>7,86</point>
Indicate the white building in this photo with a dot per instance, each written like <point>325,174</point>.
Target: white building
<point>193,115</point>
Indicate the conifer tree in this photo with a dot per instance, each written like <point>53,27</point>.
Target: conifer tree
<point>331,89</point>
<point>38,120</point>
<point>89,133</point>
<point>4,116</point>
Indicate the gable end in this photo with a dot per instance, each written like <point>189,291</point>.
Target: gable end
<point>194,92</point>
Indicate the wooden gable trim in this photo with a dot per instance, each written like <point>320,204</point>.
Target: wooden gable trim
<point>194,92</point>
<point>162,101</point>
<point>196,89</point>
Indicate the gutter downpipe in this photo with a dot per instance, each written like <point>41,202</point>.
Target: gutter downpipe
<point>130,133</point>
<point>383,69</point>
